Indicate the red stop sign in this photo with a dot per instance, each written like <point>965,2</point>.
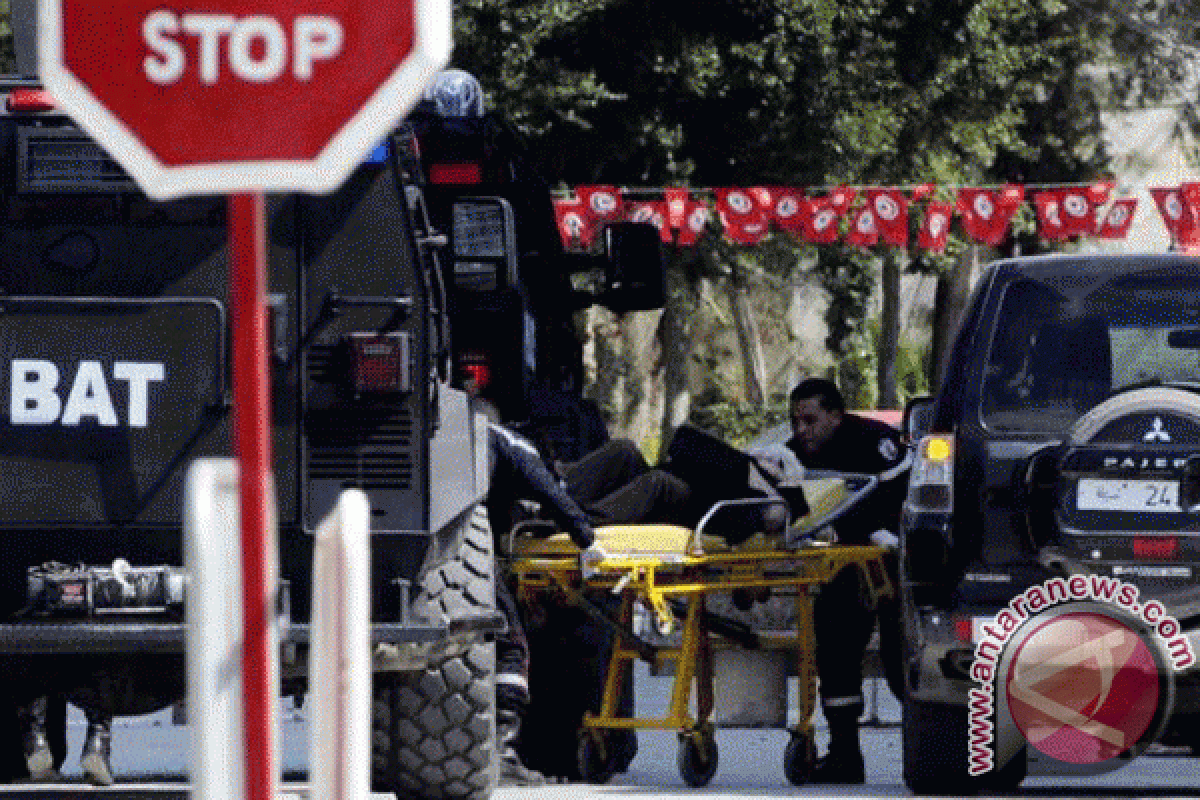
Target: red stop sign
<point>237,95</point>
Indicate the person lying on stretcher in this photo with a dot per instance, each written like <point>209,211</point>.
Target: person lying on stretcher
<point>614,485</point>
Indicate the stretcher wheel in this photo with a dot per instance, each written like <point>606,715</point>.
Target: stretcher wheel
<point>595,765</point>
<point>799,758</point>
<point>697,758</point>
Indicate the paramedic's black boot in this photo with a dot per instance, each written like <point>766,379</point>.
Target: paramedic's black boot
<point>512,771</point>
<point>843,764</point>
<point>38,758</point>
<point>97,747</point>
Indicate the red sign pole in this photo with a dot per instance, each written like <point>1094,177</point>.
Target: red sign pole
<point>251,427</point>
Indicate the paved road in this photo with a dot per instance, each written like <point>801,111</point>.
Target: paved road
<point>150,759</point>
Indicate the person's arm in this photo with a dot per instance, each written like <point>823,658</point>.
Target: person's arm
<point>883,453</point>
<point>541,483</point>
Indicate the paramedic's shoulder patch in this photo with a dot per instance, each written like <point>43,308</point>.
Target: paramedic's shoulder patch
<point>887,449</point>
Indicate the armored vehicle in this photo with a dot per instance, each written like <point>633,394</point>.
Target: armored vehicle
<point>114,366</point>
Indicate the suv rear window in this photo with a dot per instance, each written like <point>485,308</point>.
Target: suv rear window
<point>1063,343</point>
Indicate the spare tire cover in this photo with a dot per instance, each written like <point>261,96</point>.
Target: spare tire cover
<point>1124,459</point>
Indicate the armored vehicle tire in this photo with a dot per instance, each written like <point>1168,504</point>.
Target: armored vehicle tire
<point>934,754</point>
<point>434,731</point>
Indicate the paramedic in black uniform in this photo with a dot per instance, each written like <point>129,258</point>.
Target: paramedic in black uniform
<point>518,472</point>
<point>824,436</point>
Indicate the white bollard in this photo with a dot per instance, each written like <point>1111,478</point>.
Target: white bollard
<point>215,631</point>
<point>340,655</point>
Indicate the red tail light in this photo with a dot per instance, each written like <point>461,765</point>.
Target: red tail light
<point>1155,547</point>
<point>380,362</point>
<point>456,173</point>
<point>964,629</point>
<point>30,100</point>
<point>478,374</point>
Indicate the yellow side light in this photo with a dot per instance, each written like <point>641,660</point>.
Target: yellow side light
<point>937,448</point>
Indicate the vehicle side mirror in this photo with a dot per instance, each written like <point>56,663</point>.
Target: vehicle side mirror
<point>918,418</point>
<point>634,275</point>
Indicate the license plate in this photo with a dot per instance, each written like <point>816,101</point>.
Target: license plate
<point>1097,494</point>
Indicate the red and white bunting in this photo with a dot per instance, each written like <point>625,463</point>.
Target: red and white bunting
<point>935,229</point>
<point>1177,214</point>
<point>1119,219</point>
<point>864,232</point>
<point>602,202</point>
<point>575,224</point>
<point>695,220</point>
<point>986,213</point>
<point>821,225</point>
<point>790,210</point>
<point>890,207</point>
<point>654,213</point>
<point>748,214</point>
<point>1051,226</point>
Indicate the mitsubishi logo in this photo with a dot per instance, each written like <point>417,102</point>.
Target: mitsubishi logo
<point>1157,432</point>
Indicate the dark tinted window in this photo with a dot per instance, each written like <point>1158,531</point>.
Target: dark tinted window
<point>1062,344</point>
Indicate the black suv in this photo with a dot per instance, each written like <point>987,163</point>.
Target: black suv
<point>1065,440</point>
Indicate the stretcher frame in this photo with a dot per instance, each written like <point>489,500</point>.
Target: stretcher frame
<point>689,576</point>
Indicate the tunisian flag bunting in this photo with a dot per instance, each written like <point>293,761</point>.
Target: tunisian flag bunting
<point>764,197</point>
<point>821,222</point>
<point>1051,226</point>
<point>891,215</point>
<point>604,202</point>
<point>987,212</point>
<point>575,224</point>
<point>1078,211</point>
<point>1118,220</point>
<point>656,214</point>
<point>677,202</point>
<point>1177,214</point>
<point>936,227</point>
<point>842,198</point>
<point>790,210</point>
<point>1099,192</point>
<point>744,219</point>
<point>695,220</point>
<point>864,232</point>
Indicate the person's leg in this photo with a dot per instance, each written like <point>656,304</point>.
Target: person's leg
<point>512,692</point>
<point>656,496</point>
<point>39,759</point>
<point>842,624</point>
<point>97,748</point>
<point>603,471</point>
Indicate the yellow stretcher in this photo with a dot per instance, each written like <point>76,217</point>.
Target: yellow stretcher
<point>671,572</point>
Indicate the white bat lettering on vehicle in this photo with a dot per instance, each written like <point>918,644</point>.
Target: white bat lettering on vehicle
<point>34,397</point>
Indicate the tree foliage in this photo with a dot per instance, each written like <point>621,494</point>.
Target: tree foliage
<point>806,92</point>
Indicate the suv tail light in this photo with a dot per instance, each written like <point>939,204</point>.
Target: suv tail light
<point>1155,547</point>
<point>931,484</point>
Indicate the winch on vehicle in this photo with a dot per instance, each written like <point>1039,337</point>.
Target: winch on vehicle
<point>56,589</point>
